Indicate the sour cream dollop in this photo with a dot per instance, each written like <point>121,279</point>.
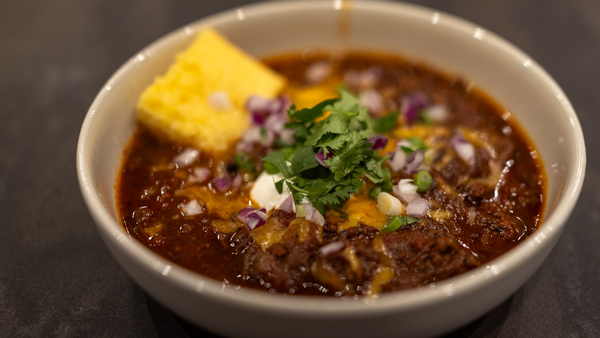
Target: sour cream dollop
<point>265,193</point>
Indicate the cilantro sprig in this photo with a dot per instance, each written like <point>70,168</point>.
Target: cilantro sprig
<point>343,133</point>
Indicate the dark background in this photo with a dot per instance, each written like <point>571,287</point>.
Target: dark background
<point>58,279</point>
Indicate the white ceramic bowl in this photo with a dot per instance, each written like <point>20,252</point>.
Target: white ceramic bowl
<point>500,69</point>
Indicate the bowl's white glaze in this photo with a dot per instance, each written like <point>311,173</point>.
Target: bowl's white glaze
<point>446,42</point>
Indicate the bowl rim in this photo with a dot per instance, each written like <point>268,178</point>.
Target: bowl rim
<point>457,286</point>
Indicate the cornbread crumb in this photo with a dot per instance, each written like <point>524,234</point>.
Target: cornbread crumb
<point>177,104</point>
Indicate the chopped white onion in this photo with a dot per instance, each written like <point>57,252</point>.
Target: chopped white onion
<point>389,205</point>
<point>331,248</point>
<point>418,207</point>
<point>406,190</point>
<point>191,208</point>
<point>317,72</point>
<point>186,157</point>
<point>438,113</point>
<point>219,101</point>
<point>398,160</point>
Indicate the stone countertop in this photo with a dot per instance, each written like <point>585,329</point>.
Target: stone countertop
<point>58,279</point>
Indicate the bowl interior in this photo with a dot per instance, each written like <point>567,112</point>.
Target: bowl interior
<point>447,43</point>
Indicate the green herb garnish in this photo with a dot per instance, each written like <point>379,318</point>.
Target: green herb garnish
<point>343,134</point>
<point>424,117</point>
<point>415,144</point>
<point>373,193</point>
<point>396,222</point>
<point>244,161</point>
<point>423,181</point>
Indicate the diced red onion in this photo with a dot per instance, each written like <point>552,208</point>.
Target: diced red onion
<point>223,183</point>
<point>244,212</point>
<point>321,157</point>
<point>414,160</point>
<point>275,122</point>
<point>257,118</point>
<point>287,136</point>
<point>418,207</point>
<point>371,99</point>
<point>244,147</point>
<point>367,78</point>
<point>186,157</point>
<point>191,208</point>
<point>199,175</point>
<point>256,219</point>
<point>317,72</point>
<point>411,106</point>
<point>253,217</point>
<point>379,141</point>
<point>287,205</point>
<point>258,104</point>
<point>331,248</point>
<point>313,215</point>
<point>284,103</point>
<point>253,135</point>
<point>406,191</point>
<point>438,113</point>
<point>237,181</point>
<point>464,149</point>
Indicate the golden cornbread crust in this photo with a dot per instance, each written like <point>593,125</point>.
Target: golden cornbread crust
<point>177,105</point>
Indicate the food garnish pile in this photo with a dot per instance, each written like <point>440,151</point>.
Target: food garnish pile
<point>340,174</point>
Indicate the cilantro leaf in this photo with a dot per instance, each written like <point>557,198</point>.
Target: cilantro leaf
<point>339,196</point>
<point>244,161</point>
<point>304,159</point>
<point>308,114</point>
<point>336,123</point>
<point>343,133</point>
<point>415,144</point>
<point>278,159</point>
<point>386,123</point>
<point>332,141</point>
<point>349,156</point>
<point>279,185</point>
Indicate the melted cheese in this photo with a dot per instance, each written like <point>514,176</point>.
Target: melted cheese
<point>270,233</point>
<point>362,209</point>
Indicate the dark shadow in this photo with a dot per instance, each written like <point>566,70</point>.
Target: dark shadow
<point>168,324</point>
<point>488,326</point>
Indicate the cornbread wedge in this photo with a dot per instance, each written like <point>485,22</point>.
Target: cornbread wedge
<point>180,104</point>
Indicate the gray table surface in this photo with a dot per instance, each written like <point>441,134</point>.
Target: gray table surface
<point>58,279</point>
